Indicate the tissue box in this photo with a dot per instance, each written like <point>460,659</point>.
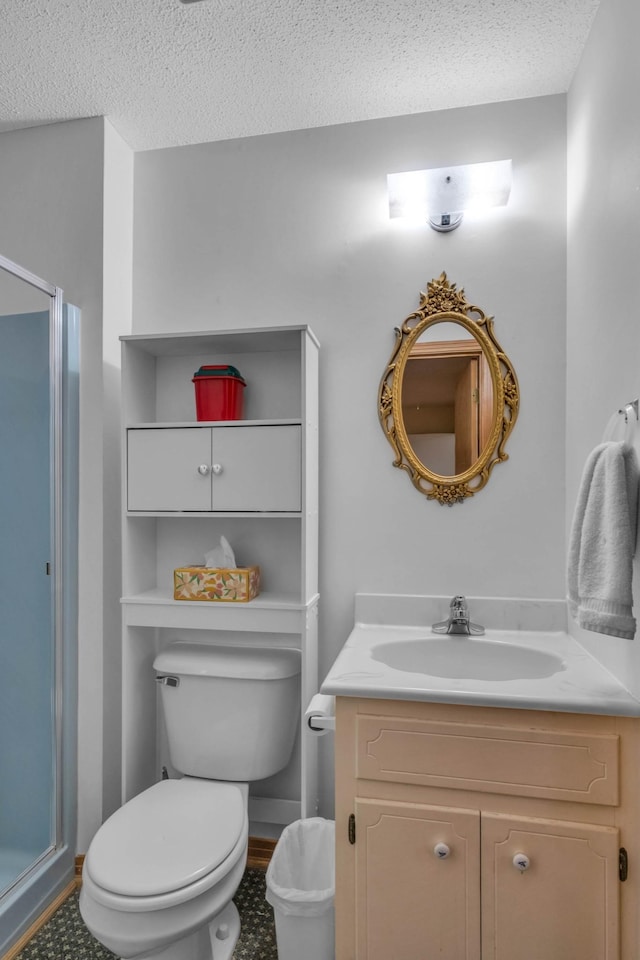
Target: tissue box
<point>215,583</point>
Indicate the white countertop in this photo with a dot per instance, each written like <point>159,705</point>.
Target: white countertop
<point>581,685</point>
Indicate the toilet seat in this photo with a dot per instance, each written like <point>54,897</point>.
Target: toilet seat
<point>169,837</point>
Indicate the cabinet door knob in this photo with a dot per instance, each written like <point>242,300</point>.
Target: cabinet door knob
<point>217,468</point>
<point>442,851</point>
<point>203,469</point>
<point>521,862</point>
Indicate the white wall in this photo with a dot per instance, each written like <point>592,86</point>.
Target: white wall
<point>51,223</point>
<point>293,227</point>
<point>56,180</point>
<point>603,326</point>
<point>116,321</point>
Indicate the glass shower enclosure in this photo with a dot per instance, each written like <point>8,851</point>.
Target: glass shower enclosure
<point>38,557</point>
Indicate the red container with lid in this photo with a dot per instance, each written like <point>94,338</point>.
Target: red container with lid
<point>219,392</point>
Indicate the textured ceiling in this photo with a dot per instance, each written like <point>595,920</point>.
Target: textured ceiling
<point>168,73</point>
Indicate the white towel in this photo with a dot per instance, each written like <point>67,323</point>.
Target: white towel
<point>602,542</point>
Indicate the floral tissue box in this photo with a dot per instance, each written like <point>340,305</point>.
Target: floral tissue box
<point>215,583</point>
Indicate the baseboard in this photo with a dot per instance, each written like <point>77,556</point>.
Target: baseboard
<point>260,852</point>
<point>42,919</point>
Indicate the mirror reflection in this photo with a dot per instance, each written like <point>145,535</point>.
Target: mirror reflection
<point>447,399</point>
<point>449,396</point>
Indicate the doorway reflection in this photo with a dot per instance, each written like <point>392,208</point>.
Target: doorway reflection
<point>447,399</point>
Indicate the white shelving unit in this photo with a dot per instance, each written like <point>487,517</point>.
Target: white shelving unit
<point>263,497</point>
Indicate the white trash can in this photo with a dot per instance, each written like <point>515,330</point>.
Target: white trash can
<point>301,889</point>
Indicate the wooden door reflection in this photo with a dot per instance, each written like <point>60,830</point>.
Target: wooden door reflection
<point>447,404</point>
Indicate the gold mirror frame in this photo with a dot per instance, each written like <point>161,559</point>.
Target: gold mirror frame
<point>443,302</point>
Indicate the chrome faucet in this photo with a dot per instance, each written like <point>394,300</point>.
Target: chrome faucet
<point>458,621</point>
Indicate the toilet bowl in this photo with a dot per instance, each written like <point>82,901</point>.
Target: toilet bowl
<point>160,874</point>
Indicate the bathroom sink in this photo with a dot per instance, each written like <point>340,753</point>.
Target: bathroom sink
<point>525,660</point>
<point>464,658</point>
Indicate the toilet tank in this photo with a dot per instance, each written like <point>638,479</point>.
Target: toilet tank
<point>231,713</point>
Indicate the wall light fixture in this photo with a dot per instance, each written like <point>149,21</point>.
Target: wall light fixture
<point>442,195</point>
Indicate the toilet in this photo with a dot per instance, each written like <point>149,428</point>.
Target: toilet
<point>159,876</point>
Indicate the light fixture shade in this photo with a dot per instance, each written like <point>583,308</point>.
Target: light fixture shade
<point>430,194</point>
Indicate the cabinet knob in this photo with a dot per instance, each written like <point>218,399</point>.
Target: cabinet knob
<point>203,469</point>
<point>521,862</point>
<point>442,851</point>
<point>217,468</point>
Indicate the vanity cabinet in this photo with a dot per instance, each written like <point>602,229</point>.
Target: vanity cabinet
<point>470,833</point>
<point>186,483</point>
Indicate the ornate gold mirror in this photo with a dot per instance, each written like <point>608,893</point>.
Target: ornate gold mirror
<point>449,396</point>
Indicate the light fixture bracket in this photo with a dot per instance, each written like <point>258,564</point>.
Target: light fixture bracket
<point>446,222</point>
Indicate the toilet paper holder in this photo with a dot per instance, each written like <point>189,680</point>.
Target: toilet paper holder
<point>320,714</point>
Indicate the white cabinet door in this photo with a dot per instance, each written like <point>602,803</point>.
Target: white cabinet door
<point>252,468</point>
<point>256,468</point>
<point>163,470</point>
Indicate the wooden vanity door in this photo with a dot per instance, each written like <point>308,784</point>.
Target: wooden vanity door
<point>412,903</point>
<point>564,905</point>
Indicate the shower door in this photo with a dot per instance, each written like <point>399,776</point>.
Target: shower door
<point>32,588</point>
<point>26,628</point>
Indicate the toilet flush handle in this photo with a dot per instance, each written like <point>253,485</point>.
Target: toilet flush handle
<point>168,681</point>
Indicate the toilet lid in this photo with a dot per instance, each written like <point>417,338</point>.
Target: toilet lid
<point>167,837</point>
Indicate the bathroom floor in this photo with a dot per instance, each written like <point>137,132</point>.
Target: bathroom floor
<point>65,936</point>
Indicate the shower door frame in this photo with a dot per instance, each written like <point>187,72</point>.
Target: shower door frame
<point>24,900</point>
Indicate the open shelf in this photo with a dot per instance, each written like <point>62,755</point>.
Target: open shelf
<point>272,613</point>
<point>167,424</point>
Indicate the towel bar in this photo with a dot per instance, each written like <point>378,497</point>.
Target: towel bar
<point>630,408</point>
<point>631,418</point>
